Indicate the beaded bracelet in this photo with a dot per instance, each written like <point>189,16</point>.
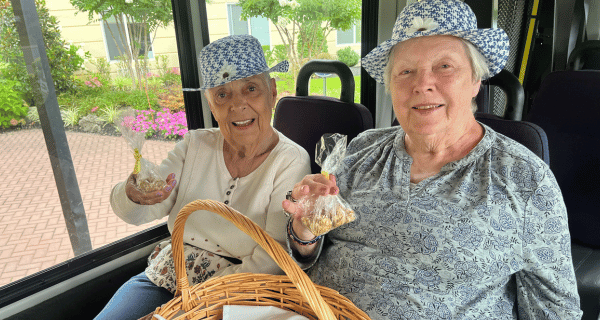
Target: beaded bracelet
<point>290,232</point>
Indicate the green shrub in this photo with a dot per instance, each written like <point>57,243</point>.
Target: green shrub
<point>110,114</point>
<point>172,77</point>
<point>70,116</point>
<point>64,58</point>
<point>103,69</point>
<point>310,50</point>
<point>155,82</point>
<point>12,109</point>
<point>348,56</point>
<point>32,115</point>
<point>278,54</point>
<point>88,99</point>
<point>162,64</point>
<point>122,83</point>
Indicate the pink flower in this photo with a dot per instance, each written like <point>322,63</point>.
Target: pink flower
<point>14,122</point>
<point>94,109</point>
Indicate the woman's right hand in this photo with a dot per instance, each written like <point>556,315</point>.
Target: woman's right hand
<point>148,198</point>
<point>311,186</point>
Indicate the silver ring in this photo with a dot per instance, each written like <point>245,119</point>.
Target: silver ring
<point>288,196</point>
<point>287,214</point>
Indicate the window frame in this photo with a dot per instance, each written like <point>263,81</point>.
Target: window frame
<point>249,29</point>
<point>105,37</point>
<point>191,30</point>
<point>355,39</point>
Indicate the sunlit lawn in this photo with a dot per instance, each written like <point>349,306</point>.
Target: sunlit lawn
<point>333,88</point>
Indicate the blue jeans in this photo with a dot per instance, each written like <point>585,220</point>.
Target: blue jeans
<point>136,298</point>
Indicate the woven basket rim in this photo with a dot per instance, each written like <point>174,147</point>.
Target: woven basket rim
<point>293,291</point>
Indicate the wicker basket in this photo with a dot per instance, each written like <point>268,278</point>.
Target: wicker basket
<point>293,291</point>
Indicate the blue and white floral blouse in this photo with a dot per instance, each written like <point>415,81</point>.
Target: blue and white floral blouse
<point>486,238</point>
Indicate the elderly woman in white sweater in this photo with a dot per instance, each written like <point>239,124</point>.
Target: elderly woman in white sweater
<point>244,163</point>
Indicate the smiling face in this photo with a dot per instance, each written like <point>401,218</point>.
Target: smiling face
<point>243,109</point>
<point>432,86</point>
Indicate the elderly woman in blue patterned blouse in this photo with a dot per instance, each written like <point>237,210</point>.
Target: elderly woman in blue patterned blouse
<point>455,221</point>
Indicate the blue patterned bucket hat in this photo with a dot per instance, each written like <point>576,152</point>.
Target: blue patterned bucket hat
<point>440,17</point>
<point>232,58</point>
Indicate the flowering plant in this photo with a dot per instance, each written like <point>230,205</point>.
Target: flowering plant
<point>169,125</point>
<point>93,83</point>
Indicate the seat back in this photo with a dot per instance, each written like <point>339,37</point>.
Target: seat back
<point>304,119</point>
<point>585,56</point>
<point>526,133</point>
<point>513,90</point>
<point>567,107</point>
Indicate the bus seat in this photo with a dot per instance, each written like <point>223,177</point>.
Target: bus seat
<point>513,90</point>
<point>304,119</point>
<point>528,134</point>
<point>567,107</point>
<point>585,56</point>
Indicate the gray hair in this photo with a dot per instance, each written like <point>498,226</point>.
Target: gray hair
<point>267,76</point>
<point>479,66</point>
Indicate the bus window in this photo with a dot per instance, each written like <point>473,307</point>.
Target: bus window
<point>334,36</point>
<point>114,59</point>
<point>98,68</point>
<point>60,240</point>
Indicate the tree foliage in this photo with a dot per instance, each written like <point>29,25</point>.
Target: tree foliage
<point>303,25</point>
<point>64,58</point>
<point>134,20</point>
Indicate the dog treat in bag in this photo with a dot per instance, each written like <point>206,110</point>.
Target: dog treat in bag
<point>148,179</point>
<point>330,211</point>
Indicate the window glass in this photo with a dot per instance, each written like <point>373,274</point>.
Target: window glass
<point>310,37</point>
<point>115,35</point>
<point>236,25</point>
<point>91,90</point>
<point>345,36</point>
<point>260,29</point>
<point>350,36</point>
<point>257,26</point>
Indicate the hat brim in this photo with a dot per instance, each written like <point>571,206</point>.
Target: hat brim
<point>282,66</point>
<point>493,44</point>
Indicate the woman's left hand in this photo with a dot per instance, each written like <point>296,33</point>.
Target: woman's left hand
<point>313,186</point>
<point>148,198</point>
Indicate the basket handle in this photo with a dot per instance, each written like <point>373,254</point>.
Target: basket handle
<point>275,250</point>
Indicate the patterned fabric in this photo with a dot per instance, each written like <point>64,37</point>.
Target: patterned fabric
<point>440,17</point>
<point>232,58</point>
<point>199,264</point>
<point>485,238</point>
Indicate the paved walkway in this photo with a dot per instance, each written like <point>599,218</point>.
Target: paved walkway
<point>33,234</point>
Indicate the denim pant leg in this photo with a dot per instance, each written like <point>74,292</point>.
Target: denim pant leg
<point>136,298</point>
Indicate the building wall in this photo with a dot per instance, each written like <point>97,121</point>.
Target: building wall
<point>76,27</point>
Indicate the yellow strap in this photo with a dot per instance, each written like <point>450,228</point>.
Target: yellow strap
<point>138,161</point>
<point>528,42</point>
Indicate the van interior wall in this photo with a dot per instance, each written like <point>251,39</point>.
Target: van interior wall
<point>86,300</point>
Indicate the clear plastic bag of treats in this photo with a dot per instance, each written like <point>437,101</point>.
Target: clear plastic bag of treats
<point>148,178</point>
<point>330,211</point>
